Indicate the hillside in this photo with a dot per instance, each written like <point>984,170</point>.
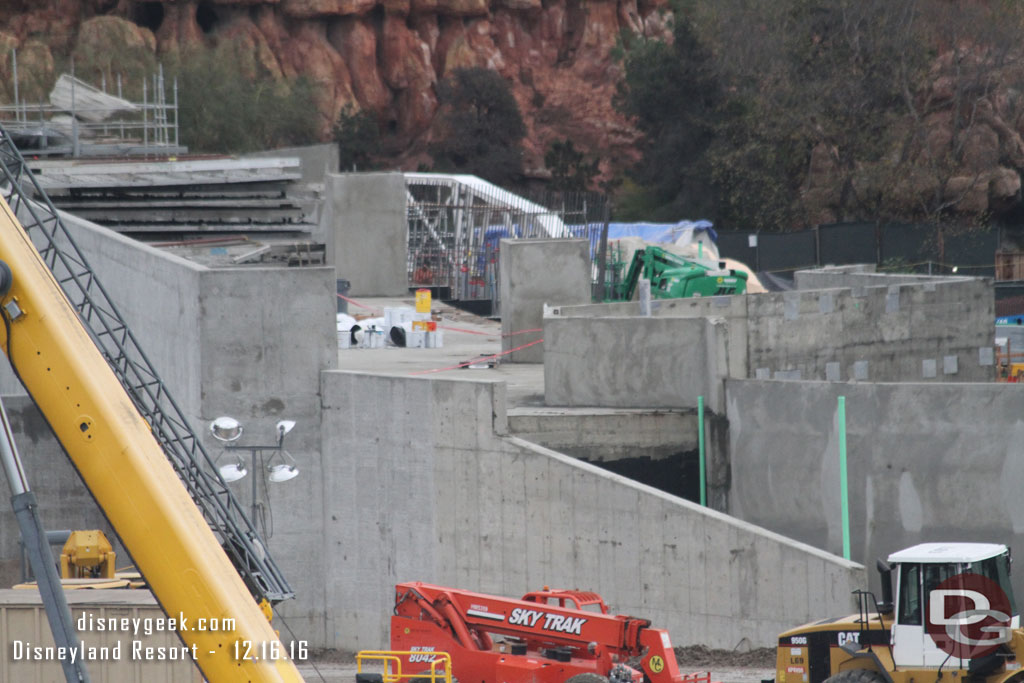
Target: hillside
<point>383,55</point>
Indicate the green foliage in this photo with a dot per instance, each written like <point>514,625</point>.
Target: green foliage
<point>357,135</point>
<point>672,93</point>
<point>569,170</point>
<point>483,129</point>
<point>781,114</point>
<point>220,110</point>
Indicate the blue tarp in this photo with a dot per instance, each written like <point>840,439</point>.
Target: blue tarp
<point>666,233</point>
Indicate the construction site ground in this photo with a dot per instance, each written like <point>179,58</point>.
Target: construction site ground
<point>466,337</point>
<point>725,666</point>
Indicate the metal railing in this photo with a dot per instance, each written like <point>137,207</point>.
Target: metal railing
<point>392,660</point>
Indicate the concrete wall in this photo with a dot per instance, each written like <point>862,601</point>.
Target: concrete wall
<point>832,277</point>
<point>316,161</point>
<point>265,336</point>
<point>535,272</point>
<point>635,362</point>
<point>245,342</point>
<point>899,333</point>
<point>927,462</point>
<point>438,494</point>
<point>157,294</point>
<point>64,502</point>
<point>367,231</point>
<point>941,330</point>
<point>604,434</point>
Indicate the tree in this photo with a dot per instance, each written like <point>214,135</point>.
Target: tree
<point>358,137</point>
<point>672,93</point>
<point>482,127</point>
<point>223,110</point>
<point>569,171</point>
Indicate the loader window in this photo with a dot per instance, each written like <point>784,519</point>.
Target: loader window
<point>997,569</point>
<point>910,594</point>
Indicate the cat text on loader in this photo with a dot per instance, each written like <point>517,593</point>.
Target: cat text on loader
<point>953,617</point>
<point>548,636</point>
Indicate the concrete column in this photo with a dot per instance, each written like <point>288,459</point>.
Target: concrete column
<point>367,233</point>
<point>535,272</point>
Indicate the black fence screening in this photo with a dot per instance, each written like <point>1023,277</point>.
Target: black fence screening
<point>906,247</point>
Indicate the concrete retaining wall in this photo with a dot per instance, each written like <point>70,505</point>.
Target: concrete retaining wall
<point>367,231</point>
<point>440,495</point>
<point>534,273</point>
<point>634,362</point>
<point>927,462</point>
<point>942,330</point>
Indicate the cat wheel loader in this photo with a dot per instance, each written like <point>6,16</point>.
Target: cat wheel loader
<point>953,617</point>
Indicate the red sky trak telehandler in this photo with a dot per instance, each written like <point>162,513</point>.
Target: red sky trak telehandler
<point>548,636</point>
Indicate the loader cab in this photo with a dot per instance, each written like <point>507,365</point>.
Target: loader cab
<point>920,570</point>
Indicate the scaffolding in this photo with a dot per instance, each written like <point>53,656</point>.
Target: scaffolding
<point>456,222</point>
<point>83,120</point>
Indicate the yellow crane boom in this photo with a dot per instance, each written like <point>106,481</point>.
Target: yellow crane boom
<point>124,467</point>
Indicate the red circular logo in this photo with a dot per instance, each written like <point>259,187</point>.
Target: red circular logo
<point>968,616</point>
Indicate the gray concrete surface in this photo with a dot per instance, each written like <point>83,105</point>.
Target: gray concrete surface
<point>440,494</point>
<point>635,362</point>
<point>366,227</point>
<point>64,502</point>
<point>535,272</point>
<point>927,462</point>
<point>878,333</point>
<point>861,275</point>
<point>316,161</point>
<point>605,434</point>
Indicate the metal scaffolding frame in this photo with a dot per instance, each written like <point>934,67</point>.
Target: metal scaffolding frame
<point>455,224</point>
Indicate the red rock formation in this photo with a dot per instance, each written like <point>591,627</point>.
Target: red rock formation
<point>388,55</point>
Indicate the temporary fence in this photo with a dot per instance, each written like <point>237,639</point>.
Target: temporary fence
<point>920,248</point>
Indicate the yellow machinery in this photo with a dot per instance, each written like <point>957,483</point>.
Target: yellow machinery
<point>125,468</point>
<point>954,617</point>
<point>87,555</point>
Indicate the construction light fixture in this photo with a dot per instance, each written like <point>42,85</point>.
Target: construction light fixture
<point>226,429</point>
<point>282,472</point>
<point>283,427</point>
<point>233,472</point>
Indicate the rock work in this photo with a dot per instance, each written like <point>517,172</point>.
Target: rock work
<point>387,55</point>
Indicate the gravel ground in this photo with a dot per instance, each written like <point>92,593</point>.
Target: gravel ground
<point>725,666</point>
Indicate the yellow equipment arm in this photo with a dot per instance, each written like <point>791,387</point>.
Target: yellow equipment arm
<point>124,467</point>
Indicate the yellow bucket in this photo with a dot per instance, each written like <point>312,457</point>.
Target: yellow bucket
<point>423,301</point>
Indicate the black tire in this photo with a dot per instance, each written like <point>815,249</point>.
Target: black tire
<point>856,676</point>
<point>587,678</point>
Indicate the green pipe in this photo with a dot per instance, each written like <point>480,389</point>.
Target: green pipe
<point>700,450</point>
<point>844,493</point>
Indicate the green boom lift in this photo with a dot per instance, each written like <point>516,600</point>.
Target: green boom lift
<point>675,277</point>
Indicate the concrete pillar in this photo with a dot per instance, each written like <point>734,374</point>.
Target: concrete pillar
<point>365,223</point>
<point>535,272</point>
